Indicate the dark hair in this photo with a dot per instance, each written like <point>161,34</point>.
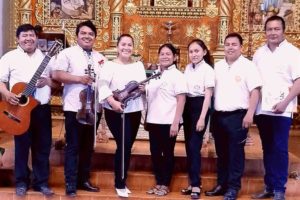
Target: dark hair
<point>275,18</point>
<point>124,35</point>
<point>171,47</point>
<point>207,56</point>
<point>25,28</point>
<point>87,23</point>
<point>236,35</point>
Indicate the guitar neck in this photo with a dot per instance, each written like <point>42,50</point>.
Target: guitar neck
<point>32,83</point>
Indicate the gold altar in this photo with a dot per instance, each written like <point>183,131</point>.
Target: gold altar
<point>146,21</point>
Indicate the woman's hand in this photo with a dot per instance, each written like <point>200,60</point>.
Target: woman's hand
<point>200,124</point>
<point>116,105</point>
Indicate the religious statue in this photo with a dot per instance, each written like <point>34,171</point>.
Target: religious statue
<point>169,25</point>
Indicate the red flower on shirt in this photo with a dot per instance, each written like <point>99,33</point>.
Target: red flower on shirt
<point>101,62</point>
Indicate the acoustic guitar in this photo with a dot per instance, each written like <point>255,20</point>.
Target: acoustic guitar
<point>15,119</point>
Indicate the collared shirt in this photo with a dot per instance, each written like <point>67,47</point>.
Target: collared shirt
<point>75,60</point>
<point>17,66</point>
<point>234,83</point>
<point>199,78</point>
<point>116,76</point>
<point>161,96</point>
<point>278,69</point>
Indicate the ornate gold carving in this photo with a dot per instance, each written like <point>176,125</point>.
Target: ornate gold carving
<point>137,32</point>
<point>117,6</point>
<point>291,15</point>
<point>236,14</point>
<point>144,2</point>
<point>212,10</point>
<point>43,15</point>
<point>25,4</point>
<point>171,12</point>
<point>149,29</point>
<point>116,29</point>
<point>106,16</point>
<point>204,33</point>
<point>105,37</point>
<point>25,11</point>
<point>130,8</point>
<point>197,3</point>
<point>225,8</point>
<point>223,30</point>
<point>171,3</point>
<point>189,31</point>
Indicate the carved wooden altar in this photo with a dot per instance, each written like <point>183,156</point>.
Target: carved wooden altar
<point>145,20</point>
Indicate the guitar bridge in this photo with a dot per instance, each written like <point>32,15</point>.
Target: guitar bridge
<point>11,116</point>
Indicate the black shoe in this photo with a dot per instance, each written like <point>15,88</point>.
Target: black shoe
<point>44,190</point>
<point>21,191</point>
<point>88,187</point>
<point>186,191</point>
<point>279,196</point>
<point>230,194</point>
<point>263,195</point>
<point>216,191</point>
<point>70,190</point>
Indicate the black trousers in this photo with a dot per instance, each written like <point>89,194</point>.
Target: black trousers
<point>38,138</point>
<point>162,152</point>
<point>193,138</point>
<point>78,150</point>
<point>230,138</point>
<point>114,123</point>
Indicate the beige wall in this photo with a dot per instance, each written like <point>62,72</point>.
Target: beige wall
<point>4,26</point>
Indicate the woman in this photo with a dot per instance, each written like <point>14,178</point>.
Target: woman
<point>200,81</point>
<point>116,75</point>
<point>166,98</point>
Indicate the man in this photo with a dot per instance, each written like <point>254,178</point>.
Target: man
<point>278,62</point>
<point>236,97</point>
<point>19,65</point>
<point>71,66</point>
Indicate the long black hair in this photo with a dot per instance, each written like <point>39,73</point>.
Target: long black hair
<point>206,57</point>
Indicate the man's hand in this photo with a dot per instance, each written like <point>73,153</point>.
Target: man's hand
<point>86,80</point>
<point>174,129</point>
<point>41,82</point>
<point>11,98</point>
<point>280,107</point>
<point>247,121</point>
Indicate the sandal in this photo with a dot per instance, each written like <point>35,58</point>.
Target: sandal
<point>163,190</point>
<point>153,190</point>
<point>195,193</point>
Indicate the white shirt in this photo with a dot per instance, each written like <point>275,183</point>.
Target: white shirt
<point>116,76</point>
<point>161,96</point>
<point>17,66</point>
<point>75,60</point>
<point>234,83</point>
<point>278,69</point>
<point>199,78</point>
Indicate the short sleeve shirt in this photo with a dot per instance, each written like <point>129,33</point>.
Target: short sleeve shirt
<point>234,83</point>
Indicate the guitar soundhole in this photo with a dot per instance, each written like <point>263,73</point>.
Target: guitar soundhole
<point>23,100</point>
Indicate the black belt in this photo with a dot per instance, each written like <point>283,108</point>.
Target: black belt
<point>231,112</point>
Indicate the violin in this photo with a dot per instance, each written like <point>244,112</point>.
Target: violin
<point>86,115</point>
<point>131,90</point>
